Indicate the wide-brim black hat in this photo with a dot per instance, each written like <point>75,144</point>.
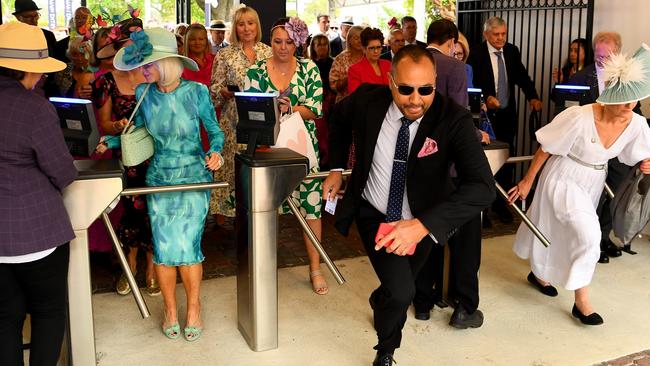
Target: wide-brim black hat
<point>24,5</point>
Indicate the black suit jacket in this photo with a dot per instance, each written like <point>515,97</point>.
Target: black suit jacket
<point>479,58</point>
<point>387,56</point>
<point>433,199</point>
<point>336,47</point>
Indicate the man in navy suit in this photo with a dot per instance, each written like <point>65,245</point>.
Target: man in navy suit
<point>493,61</point>
<point>410,28</point>
<point>404,145</point>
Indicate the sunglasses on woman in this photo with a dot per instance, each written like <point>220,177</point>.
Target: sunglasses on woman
<point>423,90</point>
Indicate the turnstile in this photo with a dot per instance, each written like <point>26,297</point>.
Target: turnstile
<point>262,183</point>
<point>98,184</point>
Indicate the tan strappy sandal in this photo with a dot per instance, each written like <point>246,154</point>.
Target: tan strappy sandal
<point>319,287</point>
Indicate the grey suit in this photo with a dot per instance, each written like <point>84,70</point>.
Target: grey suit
<point>451,79</point>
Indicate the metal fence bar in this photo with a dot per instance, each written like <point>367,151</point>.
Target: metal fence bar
<point>176,188</point>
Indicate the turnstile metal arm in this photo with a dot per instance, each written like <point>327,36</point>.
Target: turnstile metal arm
<point>524,218</point>
<point>137,295</point>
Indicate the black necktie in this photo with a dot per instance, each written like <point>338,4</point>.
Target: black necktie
<point>398,175</point>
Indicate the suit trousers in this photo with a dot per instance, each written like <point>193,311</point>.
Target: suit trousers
<point>505,124</point>
<point>40,289</point>
<point>616,173</point>
<point>464,263</point>
<point>390,301</point>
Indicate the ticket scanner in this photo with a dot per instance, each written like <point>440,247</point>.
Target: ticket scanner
<point>99,183</point>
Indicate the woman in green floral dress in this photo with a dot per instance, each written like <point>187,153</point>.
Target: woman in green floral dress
<point>301,76</point>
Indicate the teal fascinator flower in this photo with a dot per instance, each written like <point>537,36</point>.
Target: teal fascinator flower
<point>139,49</point>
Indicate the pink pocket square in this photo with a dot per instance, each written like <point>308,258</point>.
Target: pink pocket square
<point>429,147</point>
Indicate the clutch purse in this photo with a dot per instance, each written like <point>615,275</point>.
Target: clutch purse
<point>137,143</point>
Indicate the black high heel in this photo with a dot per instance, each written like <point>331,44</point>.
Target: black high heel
<point>591,319</point>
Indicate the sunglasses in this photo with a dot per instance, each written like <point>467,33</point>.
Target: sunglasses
<point>423,90</point>
<point>334,28</point>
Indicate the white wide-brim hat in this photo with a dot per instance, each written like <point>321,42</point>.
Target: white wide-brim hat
<point>149,46</point>
<point>627,78</point>
<point>23,47</point>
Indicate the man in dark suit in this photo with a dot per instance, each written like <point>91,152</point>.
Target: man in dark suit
<point>605,44</point>
<point>395,43</point>
<point>497,69</point>
<point>410,29</point>
<point>404,147</point>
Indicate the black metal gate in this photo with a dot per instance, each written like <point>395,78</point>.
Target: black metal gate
<point>543,31</point>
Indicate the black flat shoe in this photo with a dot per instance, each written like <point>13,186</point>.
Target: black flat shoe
<point>547,290</point>
<point>422,315</point>
<point>591,319</point>
<point>461,319</point>
<point>384,360</point>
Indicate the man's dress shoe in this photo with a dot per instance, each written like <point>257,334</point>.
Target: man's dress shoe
<point>421,314</point>
<point>547,290</point>
<point>612,250</point>
<point>591,319</point>
<point>384,360</point>
<point>604,258</point>
<point>461,319</point>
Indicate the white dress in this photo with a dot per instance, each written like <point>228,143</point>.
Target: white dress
<point>564,206</point>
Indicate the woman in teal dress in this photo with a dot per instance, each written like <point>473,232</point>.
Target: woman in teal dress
<point>300,76</point>
<point>172,111</point>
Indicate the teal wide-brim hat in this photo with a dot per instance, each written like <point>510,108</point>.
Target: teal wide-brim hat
<point>627,79</point>
<point>148,46</point>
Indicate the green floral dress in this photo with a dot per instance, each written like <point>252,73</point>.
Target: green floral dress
<point>306,90</point>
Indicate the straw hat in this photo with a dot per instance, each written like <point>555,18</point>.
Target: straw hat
<point>148,46</point>
<point>218,24</point>
<point>627,79</point>
<point>23,47</point>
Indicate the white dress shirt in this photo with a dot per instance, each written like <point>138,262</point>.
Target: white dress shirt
<point>377,186</point>
<point>495,65</point>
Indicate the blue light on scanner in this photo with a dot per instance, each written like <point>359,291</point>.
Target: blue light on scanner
<point>70,100</point>
<point>571,87</point>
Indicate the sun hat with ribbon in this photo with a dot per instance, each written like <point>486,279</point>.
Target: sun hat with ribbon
<point>23,47</point>
<point>627,78</point>
<point>148,46</point>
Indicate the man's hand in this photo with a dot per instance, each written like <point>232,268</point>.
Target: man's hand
<point>406,234</point>
<point>332,185</point>
<point>535,104</point>
<point>492,102</point>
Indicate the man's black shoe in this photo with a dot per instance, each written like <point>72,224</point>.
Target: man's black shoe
<point>460,319</point>
<point>604,258</point>
<point>384,360</point>
<point>612,250</point>
<point>421,314</point>
<point>547,290</point>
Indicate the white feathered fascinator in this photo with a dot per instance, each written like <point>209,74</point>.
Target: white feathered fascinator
<point>627,78</point>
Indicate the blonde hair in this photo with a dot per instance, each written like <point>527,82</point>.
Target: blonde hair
<point>170,69</point>
<point>196,27</point>
<point>607,37</point>
<point>462,41</point>
<point>355,29</point>
<point>237,16</point>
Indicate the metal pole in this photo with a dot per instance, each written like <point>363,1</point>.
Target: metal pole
<point>524,218</point>
<point>176,188</point>
<point>330,264</point>
<point>137,295</point>
<point>609,191</point>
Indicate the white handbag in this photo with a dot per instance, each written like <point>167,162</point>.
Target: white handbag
<point>294,135</point>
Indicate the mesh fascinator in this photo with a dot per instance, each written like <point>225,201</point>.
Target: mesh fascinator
<point>627,78</point>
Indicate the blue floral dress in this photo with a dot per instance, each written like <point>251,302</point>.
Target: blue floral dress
<point>173,120</point>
